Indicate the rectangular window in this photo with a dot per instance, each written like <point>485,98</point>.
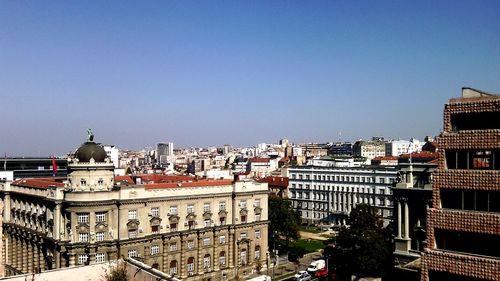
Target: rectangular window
<point>222,206</point>
<point>471,200</point>
<point>206,207</point>
<point>190,209</point>
<point>173,227</point>
<point>190,267</point>
<point>82,259</point>
<point>243,235</point>
<point>132,233</point>
<point>132,214</point>
<point>468,242</point>
<point>155,229</point>
<point>222,260</point>
<point>257,234</point>
<point>83,218</point>
<point>190,244</point>
<point>207,222</point>
<point>132,253</point>
<point>99,257</point>
<point>222,239</point>
<point>83,237</point>
<point>155,212</point>
<point>173,247</point>
<point>257,203</point>
<point>99,236</point>
<point>243,204</point>
<point>257,217</point>
<point>155,250</point>
<point>100,217</point>
<point>173,210</point>
<point>206,241</point>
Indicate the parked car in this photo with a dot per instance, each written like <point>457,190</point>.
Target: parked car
<point>316,266</point>
<point>302,276</point>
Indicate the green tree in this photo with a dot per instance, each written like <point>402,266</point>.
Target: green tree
<point>284,223</point>
<point>362,249</point>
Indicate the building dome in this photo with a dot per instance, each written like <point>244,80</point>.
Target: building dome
<point>90,150</point>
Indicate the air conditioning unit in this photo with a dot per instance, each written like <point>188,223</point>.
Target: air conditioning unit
<point>140,230</point>
<point>161,226</point>
<point>190,273</point>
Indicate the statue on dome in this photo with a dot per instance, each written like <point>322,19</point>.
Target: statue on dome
<point>90,135</point>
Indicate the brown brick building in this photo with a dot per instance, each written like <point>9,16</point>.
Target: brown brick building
<point>464,221</point>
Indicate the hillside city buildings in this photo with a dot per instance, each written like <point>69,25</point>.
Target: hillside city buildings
<point>202,213</point>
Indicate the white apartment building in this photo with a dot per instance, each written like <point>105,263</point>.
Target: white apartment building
<point>398,147</point>
<point>112,153</point>
<point>326,195</point>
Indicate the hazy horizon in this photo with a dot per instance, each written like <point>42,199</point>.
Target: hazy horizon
<point>210,73</point>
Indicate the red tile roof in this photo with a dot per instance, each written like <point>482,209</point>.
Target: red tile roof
<point>41,183</point>
<point>259,160</point>
<point>421,155</point>
<point>197,183</point>
<point>385,158</point>
<point>275,181</point>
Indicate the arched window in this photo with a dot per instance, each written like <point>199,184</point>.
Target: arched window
<point>190,264</point>
<point>173,267</point>
<point>206,261</point>
<point>222,258</point>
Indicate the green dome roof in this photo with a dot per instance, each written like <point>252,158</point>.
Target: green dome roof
<point>90,150</point>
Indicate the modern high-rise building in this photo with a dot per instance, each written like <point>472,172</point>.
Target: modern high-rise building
<point>164,152</point>
<point>463,225</point>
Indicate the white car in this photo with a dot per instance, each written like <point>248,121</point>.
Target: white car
<point>302,276</point>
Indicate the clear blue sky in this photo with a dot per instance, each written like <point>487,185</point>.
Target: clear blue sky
<point>201,73</point>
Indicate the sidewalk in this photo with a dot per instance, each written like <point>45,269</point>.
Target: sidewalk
<point>288,269</point>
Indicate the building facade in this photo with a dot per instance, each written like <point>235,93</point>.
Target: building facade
<point>326,195</point>
<point>193,229</point>
<point>464,221</point>
<point>412,198</point>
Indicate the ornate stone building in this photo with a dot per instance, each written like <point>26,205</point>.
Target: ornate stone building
<point>463,225</point>
<point>195,229</point>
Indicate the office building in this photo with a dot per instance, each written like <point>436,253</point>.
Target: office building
<point>463,225</point>
<point>190,228</point>
<point>326,195</point>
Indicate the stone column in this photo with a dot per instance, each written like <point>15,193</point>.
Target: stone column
<point>57,221</point>
<point>231,256</point>
<point>165,265</point>
<point>25,258</point>
<point>43,263</point>
<point>199,254</point>
<point>72,259</point>
<point>398,203</point>
<point>19,254</point>
<point>215,252</point>
<point>407,220</point>
<point>13,251</point>
<point>30,256</point>
<point>36,258</point>
<point>183,262</point>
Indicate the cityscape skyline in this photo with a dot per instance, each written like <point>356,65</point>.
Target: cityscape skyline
<point>202,74</point>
